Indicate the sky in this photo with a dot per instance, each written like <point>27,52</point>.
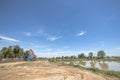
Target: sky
<point>61,27</point>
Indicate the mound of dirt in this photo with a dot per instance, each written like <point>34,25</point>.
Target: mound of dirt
<point>45,70</point>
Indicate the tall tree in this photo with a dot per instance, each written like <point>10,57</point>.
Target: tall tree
<point>66,57</point>
<point>81,55</point>
<point>62,57</point>
<point>101,54</point>
<point>4,52</point>
<point>17,51</point>
<point>10,53</point>
<point>90,55</point>
<point>72,57</point>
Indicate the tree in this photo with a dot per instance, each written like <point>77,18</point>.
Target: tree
<point>10,53</point>
<point>62,57</point>
<point>101,54</point>
<point>26,53</point>
<point>90,55</point>
<point>17,51</point>
<point>21,52</point>
<point>81,55</point>
<point>0,56</point>
<point>72,57</point>
<point>66,57</point>
<point>4,52</point>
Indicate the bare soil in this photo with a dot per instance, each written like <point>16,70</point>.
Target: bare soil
<point>45,70</point>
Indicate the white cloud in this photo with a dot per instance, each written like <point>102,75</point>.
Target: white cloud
<point>48,36</point>
<point>44,34</point>
<point>8,39</point>
<point>27,33</point>
<point>53,38</point>
<point>81,33</point>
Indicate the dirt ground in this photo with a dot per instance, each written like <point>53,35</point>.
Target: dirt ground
<point>45,70</point>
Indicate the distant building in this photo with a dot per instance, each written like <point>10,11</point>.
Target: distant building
<point>31,55</point>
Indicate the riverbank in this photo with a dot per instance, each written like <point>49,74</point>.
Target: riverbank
<point>45,70</point>
<point>81,65</point>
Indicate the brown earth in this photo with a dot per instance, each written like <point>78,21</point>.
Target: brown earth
<point>45,70</point>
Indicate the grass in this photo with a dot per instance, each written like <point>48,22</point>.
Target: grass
<point>106,72</point>
<point>88,59</point>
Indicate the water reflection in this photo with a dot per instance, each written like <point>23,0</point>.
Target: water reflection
<point>104,65</point>
<point>98,64</point>
<point>83,63</point>
<point>92,64</point>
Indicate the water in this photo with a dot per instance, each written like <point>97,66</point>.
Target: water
<point>115,66</point>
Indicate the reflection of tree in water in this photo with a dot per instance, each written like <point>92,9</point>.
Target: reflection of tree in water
<point>104,66</point>
<point>92,64</point>
<point>83,63</point>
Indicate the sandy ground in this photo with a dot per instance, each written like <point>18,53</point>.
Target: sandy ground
<point>45,70</point>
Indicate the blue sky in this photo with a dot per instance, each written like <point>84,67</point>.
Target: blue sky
<point>61,27</point>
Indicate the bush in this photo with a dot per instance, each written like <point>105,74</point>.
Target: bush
<point>71,63</point>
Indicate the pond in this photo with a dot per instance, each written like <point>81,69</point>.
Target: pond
<point>103,65</point>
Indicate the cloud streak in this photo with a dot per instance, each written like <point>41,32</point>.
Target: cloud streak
<point>8,39</point>
<point>53,38</point>
<point>27,33</point>
<point>44,34</point>
<point>49,36</point>
<point>81,33</point>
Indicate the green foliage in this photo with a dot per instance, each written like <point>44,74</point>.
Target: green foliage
<point>81,55</point>
<point>62,57</point>
<point>101,54</point>
<point>12,52</point>
<point>111,73</point>
<point>66,57</point>
<point>93,69</point>
<point>26,53</point>
<point>90,55</point>
<point>52,60</point>
<point>73,57</point>
<point>17,51</point>
<point>71,63</point>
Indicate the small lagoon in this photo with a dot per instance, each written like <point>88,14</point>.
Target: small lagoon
<point>102,65</point>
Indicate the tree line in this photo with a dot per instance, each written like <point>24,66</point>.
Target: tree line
<point>100,54</point>
<point>16,52</point>
<point>13,52</point>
